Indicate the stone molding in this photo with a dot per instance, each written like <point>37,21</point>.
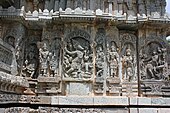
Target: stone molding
<point>78,13</point>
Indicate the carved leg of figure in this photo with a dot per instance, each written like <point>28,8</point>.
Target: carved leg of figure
<point>45,72</point>
<point>32,73</point>
<point>70,70</point>
<point>55,72</point>
<point>86,67</point>
<point>41,72</point>
<point>111,72</point>
<point>52,73</point>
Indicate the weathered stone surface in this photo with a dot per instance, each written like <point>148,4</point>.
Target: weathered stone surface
<point>148,110</point>
<point>111,101</point>
<point>79,89</point>
<point>84,56</point>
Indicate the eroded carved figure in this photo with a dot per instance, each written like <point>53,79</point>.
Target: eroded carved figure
<point>129,65</point>
<point>53,65</point>
<point>44,56</point>
<point>156,64</point>
<point>77,60</point>
<point>28,70</point>
<point>99,62</point>
<point>112,59</point>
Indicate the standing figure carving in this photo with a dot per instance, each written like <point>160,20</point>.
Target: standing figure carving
<point>129,65</point>
<point>44,60</point>
<point>53,65</point>
<point>112,59</point>
<point>99,62</point>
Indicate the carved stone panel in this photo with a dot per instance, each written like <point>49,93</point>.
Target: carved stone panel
<point>78,57</point>
<point>154,72</point>
<point>100,64</point>
<point>128,57</point>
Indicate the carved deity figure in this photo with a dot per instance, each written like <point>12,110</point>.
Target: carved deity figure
<point>129,65</point>
<point>112,59</point>
<point>74,62</point>
<point>53,65</point>
<point>87,64</point>
<point>77,60</point>
<point>44,59</point>
<point>99,62</point>
<point>156,64</point>
<point>28,70</point>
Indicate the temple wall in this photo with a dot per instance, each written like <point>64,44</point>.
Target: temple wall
<point>91,56</point>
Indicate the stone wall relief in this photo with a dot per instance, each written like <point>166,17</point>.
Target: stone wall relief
<point>30,64</point>
<point>55,48</point>
<point>153,66</point>
<point>128,64</point>
<point>77,63</point>
<point>150,6</point>
<point>112,60</point>
<point>153,62</point>
<point>128,57</point>
<point>100,65</point>
<point>15,38</point>
<point>113,65</point>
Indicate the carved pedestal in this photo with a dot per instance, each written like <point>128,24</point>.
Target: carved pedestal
<point>114,86</point>
<point>98,86</point>
<point>48,85</point>
<point>155,88</point>
<point>129,89</point>
<point>78,88</point>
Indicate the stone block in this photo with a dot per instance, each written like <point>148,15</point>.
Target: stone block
<point>54,100</point>
<point>148,110</point>
<point>45,100</point>
<point>70,100</point>
<point>110,100</point>
<point>158,101</point>
<point>80,89</point>
<point>164,110</point>
<point>133,101</point>
<point>133,110</point>
<point>115,110</point>
<point>144,101</point>
<point>2,110</point>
